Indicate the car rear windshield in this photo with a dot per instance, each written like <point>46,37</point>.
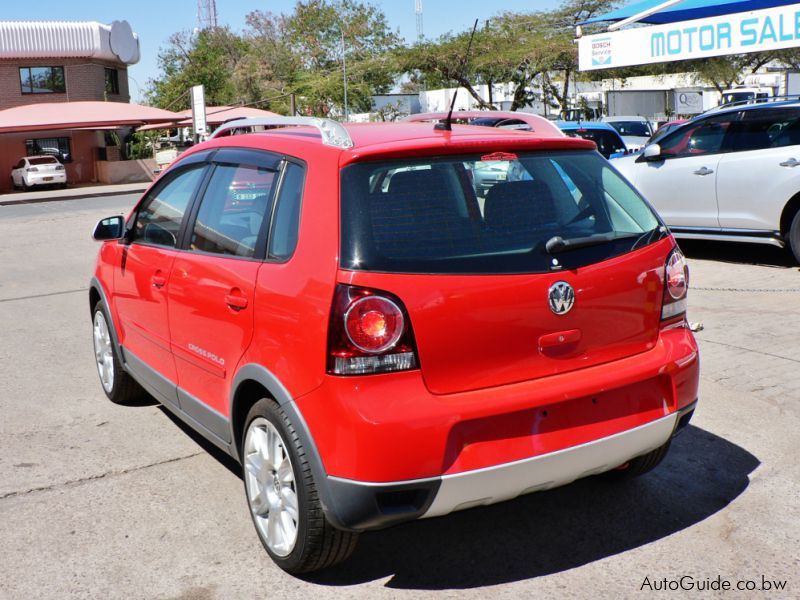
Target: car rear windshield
<point>632,128</point>
<point>607,141</point>
<point>42,160</point>
<point>489,214</point>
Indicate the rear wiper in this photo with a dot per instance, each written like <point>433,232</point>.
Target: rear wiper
<point>558,244</point>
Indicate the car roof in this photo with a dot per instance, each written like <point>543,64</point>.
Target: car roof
<point>398,140</point>
<point>535,121</point>
<point>572,125</point>
<point>749,105</point>
<point>624,118</point>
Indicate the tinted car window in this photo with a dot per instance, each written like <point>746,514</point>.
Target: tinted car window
<point>287,213</point>
<point>632,128</point>
<point>766,128</point>
<point>232,210</point>
<point>701,137</point>
<point>466,215</point>
<point>160,216</point>
<point>607,142</point>
<point>43,160</point>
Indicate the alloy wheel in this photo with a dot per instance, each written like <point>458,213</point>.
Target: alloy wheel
<point>270,485</point>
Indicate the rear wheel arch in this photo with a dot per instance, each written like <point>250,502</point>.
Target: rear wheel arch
<point>789,211</point>
<point>252,383</point>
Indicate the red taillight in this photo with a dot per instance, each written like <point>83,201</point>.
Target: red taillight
<point>369,333</point>
<point>676,284</point>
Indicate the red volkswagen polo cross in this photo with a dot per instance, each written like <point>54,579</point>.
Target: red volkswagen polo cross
<point>386,322</point>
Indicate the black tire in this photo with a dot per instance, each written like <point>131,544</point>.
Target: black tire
<point>124,389</point>
<point>794,236</point>
<point>318,544</point>
<point>638,466</point>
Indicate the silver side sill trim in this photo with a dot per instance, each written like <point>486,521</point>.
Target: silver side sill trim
<point>722,237</point>
<point>504,482</point>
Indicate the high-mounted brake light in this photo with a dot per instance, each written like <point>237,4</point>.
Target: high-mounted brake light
<point>369,333</point>
<point>676,285</point>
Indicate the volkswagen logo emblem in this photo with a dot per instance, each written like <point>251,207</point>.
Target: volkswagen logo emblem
<point>561,297</point>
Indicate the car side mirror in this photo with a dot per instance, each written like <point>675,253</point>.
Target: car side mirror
<point>650,153</point>
<point>110,228</point>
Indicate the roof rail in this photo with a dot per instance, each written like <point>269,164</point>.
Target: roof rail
<point>749,101</point>
<point>333,133</point>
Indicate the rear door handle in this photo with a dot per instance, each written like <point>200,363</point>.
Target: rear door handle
<point>703,171</point>
<point>790,163</point>
<point>236,302</point>
<point>159,281</point>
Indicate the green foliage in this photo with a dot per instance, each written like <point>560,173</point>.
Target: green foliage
<point>277,55</point>
<point>140,145</point>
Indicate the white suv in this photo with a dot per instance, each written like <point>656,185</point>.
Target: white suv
<point>727,175</point>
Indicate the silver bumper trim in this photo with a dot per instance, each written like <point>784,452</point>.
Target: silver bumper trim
<point>504,482</point>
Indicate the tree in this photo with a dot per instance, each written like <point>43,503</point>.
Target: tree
<point>209,58</point>
<point>305,50</point>
<point>523,49</point>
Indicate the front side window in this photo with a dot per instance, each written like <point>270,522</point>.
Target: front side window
<point>233,209</point>
<point>42,80</point>
<point>702,137</point>
<point>160,216</point>
<point>495,213</point>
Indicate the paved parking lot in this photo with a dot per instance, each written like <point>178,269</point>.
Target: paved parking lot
<point>103,501</point>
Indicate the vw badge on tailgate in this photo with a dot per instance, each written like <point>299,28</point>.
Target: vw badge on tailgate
<point>561,297</point>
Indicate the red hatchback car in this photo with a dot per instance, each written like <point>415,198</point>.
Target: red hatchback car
<point>377,338</point>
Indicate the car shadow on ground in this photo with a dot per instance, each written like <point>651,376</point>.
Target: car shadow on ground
<point>546,532</point>
<point>550,532</point>
<point>748,254</point>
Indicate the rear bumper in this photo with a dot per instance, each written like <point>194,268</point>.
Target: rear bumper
<point>360,505</point>
<point>46,178</point>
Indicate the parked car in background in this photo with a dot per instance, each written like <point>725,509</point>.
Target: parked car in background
<point>730,174</point>
<point>609,142</point>
<point>33,171</point>
<point>664,129</point>
<point>377,340</point>
<point>491,118</point>
<point>635,131</point>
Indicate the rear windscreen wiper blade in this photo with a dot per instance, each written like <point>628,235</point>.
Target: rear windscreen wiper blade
<point>558,244</point>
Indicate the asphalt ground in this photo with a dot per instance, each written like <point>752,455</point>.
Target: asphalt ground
<point>103,501</point>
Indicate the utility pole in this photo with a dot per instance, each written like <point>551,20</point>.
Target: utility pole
<point>344,77</point>
<point>418,13</point>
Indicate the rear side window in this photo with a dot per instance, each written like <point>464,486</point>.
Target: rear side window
<point>160,216</point>
<point>287,213</point>
<point>766,128</point>
<point>232,211</point>
<point>469,215</point>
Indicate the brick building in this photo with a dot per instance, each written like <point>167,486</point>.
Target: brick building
<point>62,61</point>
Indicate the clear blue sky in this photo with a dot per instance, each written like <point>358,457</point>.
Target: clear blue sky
<point>156,20</point>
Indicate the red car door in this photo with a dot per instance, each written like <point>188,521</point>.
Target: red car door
<point>141,278</point>
<point>211,286</point>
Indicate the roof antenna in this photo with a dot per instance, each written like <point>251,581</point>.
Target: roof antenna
<point>446,125</point>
